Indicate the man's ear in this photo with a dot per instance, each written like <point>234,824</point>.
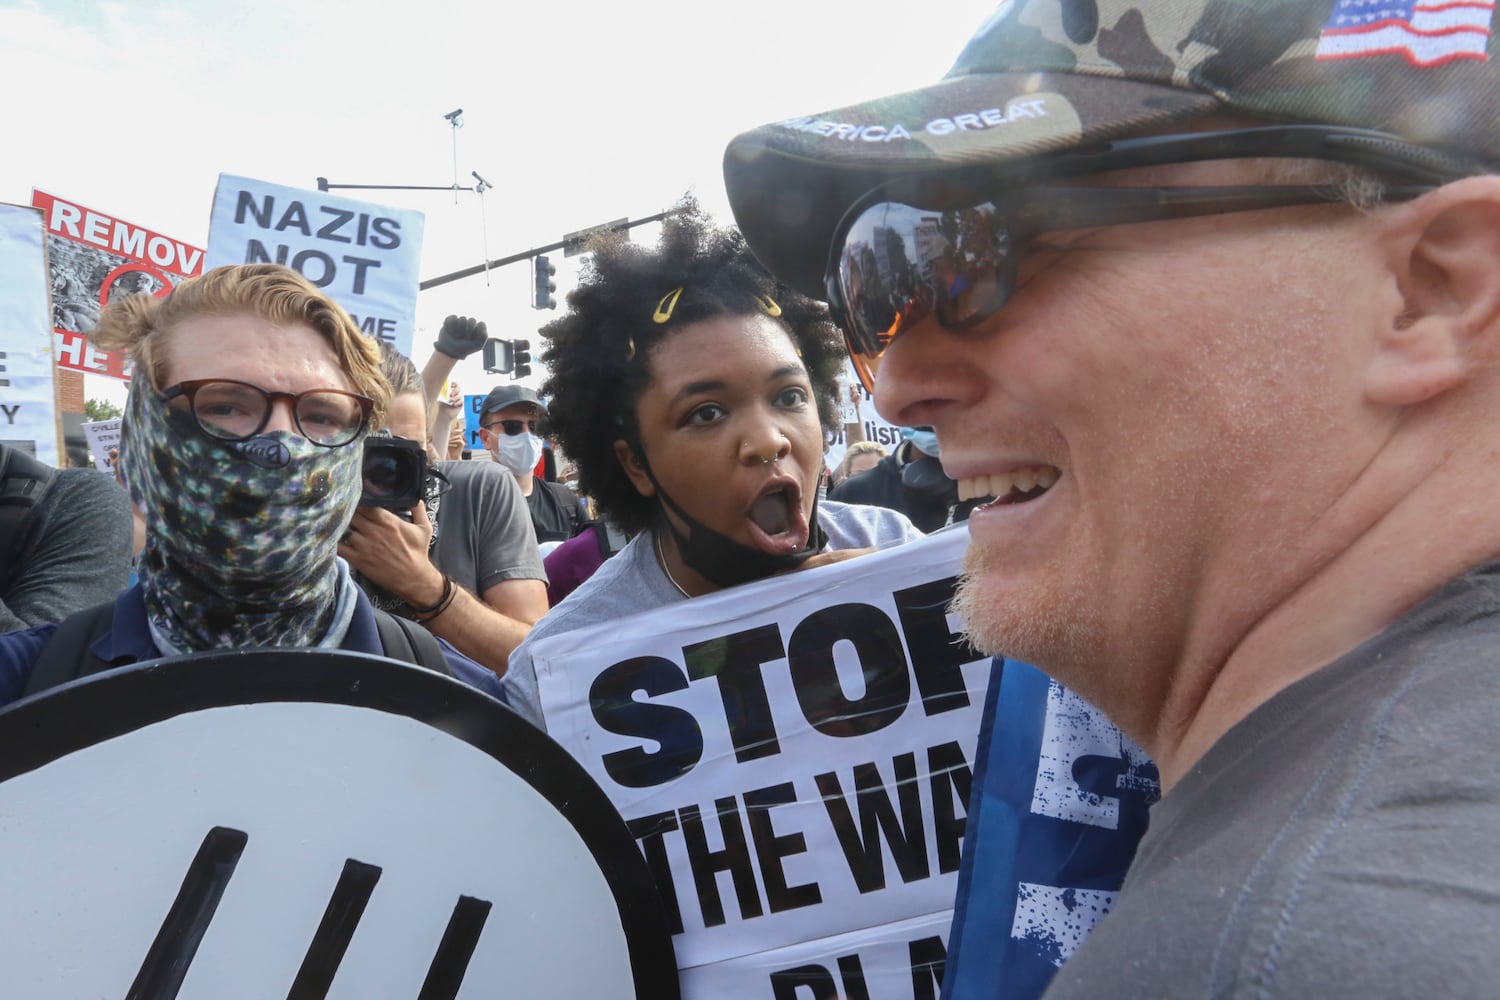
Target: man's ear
<point>487,438</point>
<point>1447,261</point>
<point>634,468</point>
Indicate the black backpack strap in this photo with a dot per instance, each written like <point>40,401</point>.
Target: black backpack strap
<point>568,501</point>
<point>67,655</point>
<point>403,639</point>
<point>23,480</point>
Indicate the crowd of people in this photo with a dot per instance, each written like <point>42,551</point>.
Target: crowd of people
<point>1211,399</point>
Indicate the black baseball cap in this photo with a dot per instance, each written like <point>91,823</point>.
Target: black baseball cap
<point>508,395</point>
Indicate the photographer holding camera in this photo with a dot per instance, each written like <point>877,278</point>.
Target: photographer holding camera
<point>445,544</point>
<point>242,446</point>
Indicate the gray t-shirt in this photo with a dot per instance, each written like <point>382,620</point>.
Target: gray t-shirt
<point>484,535</point>
<point>633,582</point>
<point>78,553</point>
<point>1343,840</point>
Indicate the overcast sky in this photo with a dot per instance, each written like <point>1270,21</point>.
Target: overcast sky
<point>578,113</point>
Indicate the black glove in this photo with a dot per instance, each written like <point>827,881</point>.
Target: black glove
<point>461,337</point>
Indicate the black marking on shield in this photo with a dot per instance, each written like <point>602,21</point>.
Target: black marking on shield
<point>345,907</point>
<point>167,960</point>
<point>446,973</point>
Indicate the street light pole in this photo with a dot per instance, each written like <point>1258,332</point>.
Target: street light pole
<point>488,265</point>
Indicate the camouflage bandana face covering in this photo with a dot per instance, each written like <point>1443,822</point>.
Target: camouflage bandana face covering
<point>238,554</point>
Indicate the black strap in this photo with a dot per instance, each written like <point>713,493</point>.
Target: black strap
<point>23,480</point>
<point>67,655</point>
<point>569,503</point>
<point>405,640</point>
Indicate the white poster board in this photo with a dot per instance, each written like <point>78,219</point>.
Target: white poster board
<point>364,256</point>
<point>794,758</point>
<point>102,435</point>
<point>28,407</point>
<point>857,409</point>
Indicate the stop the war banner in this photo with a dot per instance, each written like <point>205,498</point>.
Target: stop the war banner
<point>794,758</point>
<point>364,256</point>
<point>94,257</point>
<point>28,408</point>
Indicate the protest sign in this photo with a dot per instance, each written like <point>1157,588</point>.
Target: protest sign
<point>28,405</point>
<point>793,756</point>
<point>297,823</point>
<point>364,256</point>
<point>103,435</point>
<point>857,408</point>
<point>93,257</point>
<point>472,404</point>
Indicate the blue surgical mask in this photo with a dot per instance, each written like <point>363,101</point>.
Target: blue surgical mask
<point>924,439</point>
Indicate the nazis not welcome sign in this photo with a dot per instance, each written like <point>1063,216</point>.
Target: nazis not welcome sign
<point>364,256</point>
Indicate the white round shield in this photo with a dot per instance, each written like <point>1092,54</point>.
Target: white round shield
<point>310,824</point>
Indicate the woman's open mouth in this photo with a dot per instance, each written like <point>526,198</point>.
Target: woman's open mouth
<point>778,524</point>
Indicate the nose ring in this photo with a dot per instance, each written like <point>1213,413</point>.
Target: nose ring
<point>764,459</point>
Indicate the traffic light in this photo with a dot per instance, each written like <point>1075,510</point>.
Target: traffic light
<point>498,359</point>
<point>541,296</point>
<point>520,352</point>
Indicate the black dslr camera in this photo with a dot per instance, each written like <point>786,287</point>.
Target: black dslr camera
<point>395,473</point>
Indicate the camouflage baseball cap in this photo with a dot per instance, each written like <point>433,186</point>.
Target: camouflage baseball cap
<point>1043,75</point>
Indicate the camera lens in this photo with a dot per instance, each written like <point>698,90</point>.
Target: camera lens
<point>382,474</point>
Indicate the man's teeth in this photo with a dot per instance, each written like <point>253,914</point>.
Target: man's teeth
<point>1001,484</point>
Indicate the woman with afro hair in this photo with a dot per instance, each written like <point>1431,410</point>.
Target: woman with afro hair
<point>691,391</point>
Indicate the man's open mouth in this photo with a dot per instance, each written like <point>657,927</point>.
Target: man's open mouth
<point>1013,487</point>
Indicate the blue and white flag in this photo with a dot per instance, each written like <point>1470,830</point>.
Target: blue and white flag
<point>1059,802</point>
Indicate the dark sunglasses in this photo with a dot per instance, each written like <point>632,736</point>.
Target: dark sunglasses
<point>514,427</point>
<point>950,247</point>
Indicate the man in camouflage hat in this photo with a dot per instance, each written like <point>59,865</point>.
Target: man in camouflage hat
<point>1206,295</point>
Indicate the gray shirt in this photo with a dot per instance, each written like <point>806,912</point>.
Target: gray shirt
<point>77,554</point>
<point>633,582</point>
<point>484,535</point>
<point>1343,840</point>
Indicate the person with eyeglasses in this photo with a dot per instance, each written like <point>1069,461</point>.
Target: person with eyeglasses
<point>510,424</point>
<point>691,392</point>
<point>1223,361</point>
<point>241,445</point>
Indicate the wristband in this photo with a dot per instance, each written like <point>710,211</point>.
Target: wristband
<point>424,615</point>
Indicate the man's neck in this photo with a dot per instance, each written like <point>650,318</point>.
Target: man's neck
<point>1387,559</point>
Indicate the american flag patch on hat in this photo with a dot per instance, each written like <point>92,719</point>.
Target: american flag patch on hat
<point>1423,33</point>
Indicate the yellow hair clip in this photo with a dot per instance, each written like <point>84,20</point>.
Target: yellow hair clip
<point>767,304</point>
<point>666,305</point>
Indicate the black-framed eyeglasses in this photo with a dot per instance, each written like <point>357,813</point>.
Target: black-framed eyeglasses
<point>231,410</point>
<point>949,247</point>
<point>514,427</point>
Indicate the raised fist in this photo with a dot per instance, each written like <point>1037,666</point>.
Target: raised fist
<point>461,337</point>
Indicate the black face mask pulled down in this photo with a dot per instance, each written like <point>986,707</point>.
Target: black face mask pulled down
<point>720,559</point>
